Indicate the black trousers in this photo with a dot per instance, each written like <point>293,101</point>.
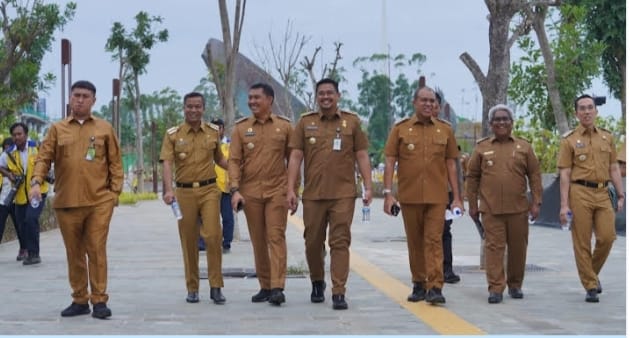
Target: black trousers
<point>6,212</point>
<point>447,240</point>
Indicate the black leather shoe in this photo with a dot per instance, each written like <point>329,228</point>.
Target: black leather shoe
<point>101,311</point>
<point>192,297</point>
<point>75,310</point>
<point>226,250</point>
<point>339,302</point>
<point>495,298</point>
<point>516,293</point>
<point>217,296</point>
<point>417,294</point>
<point>451,278</point>
<point>261,296</point>
<point>434,296</point>
<point>591,296</point>
<point>277,297</point>
<point>22,254</point>
<point>599,287</point>
<point>32,259</point>
<point>317,295</point>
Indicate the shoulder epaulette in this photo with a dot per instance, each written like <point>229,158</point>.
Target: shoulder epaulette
<point>309,113</point>
<point>483,139</point>
<point>213,126</point>
<point>172,130</point>
<point>443,121</point>
<point>401,121</point>
<point>349,112</point>
<point>284,118</point>
<point>244,118</point>
<point>604,129</point>
<point>565,135</point>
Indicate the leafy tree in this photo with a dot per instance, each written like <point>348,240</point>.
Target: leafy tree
<point>27,34</point>
<point>213,107</point>
<point>574,58</point>
<point>132,52</point>
<point>605,22</point>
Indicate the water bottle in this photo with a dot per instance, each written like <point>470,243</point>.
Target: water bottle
<point>177,212</point>
<point>567,226</point>
<point>452,214</point>
<point>365,211</point>
<point>35,202</point>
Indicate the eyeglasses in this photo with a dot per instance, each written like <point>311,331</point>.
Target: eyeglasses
<point>501,119</point>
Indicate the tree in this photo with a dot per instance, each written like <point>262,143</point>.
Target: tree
<point>382,100</point>
<point>606,22</point>
<point>569,63</point>
<point>25,40</point>
<point>283,57</point>
<point>494,84</point>
<point>328,70</point>
<point>225,78</point>
<point>208,89</point>
<point>131,50</point>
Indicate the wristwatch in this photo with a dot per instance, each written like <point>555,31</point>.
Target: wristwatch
<point>387,191</point>
<point>34,182</point>
<point>233,190</point>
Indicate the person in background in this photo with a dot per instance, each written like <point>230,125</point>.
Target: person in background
<point>447,238</point>
<point>258,181</point>
<point>8,210</point>
<point>18,162</point>
<point>499,170</point>
<point>331,142</point>
<point>621,160</point>
<point>89,177</point>
<point>423,147</point>
<point>193,148</point>
<point>588,163</point>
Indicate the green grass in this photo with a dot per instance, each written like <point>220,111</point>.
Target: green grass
<point>129,198</point>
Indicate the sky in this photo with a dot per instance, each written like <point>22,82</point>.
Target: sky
<point>441,30</point>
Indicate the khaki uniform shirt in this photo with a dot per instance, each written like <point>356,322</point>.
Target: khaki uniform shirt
<point>588,153</point>
<point>192,152</point>
<point>259,155</point>
<point>421,150</point>
<point>88,162</point>
<point>497,173</point>
<point>329,173</point>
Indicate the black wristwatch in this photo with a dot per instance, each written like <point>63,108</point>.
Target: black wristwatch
<point>233,190</point>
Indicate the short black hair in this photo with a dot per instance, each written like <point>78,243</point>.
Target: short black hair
<point>19,124</point>
<point>583,96</point>
<point>195,94</point>
<point>217,121</point>
<point>438,97</point>
<point>327,80</point>
<point>85,85</point>
<point>266,88</point>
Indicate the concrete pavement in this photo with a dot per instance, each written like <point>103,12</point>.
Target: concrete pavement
<point>147,289</point>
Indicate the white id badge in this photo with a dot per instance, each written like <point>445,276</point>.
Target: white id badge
<point>337,144</point>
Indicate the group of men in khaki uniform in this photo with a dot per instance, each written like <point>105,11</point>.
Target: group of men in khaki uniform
<point>266,155</point>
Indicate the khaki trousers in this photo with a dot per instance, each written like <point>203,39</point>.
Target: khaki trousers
<point>511,230</point>
<point>592,213</point>
<point>336,215</point>
<point>267,224</point>
<point>204,202</point>
<point>424,225</point>
<point>84,231</point>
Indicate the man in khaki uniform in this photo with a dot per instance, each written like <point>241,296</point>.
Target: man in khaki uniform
<point>499,170</point>
<point>426,151</point>
<point>194,147</point>
<point>89,178</point>
<point>258,179</point>
<point>330,141</point>
<point>587,163</point>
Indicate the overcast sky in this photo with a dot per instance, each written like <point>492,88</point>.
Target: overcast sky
<point>441,30</point>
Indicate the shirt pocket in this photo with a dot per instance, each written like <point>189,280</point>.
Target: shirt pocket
<point>438,146</point>
<point>312,138</point>
<point>99,147</point>
<point>65,146</point>
<point>581,157</point>
<point>488,161</point>
<point>408,145</point>
<point>183,151</point>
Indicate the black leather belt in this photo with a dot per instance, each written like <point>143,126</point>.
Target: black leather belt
<point>589,184</point>
<point>195,184</point>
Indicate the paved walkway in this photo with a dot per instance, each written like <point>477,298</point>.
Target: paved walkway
<point>147,287</point>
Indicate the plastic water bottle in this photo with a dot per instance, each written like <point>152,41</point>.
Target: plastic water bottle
<point>452,214</point>
<point>365,211</point>
<point>177,212</point>
<point>567,226</point>
<point>35,202</point>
